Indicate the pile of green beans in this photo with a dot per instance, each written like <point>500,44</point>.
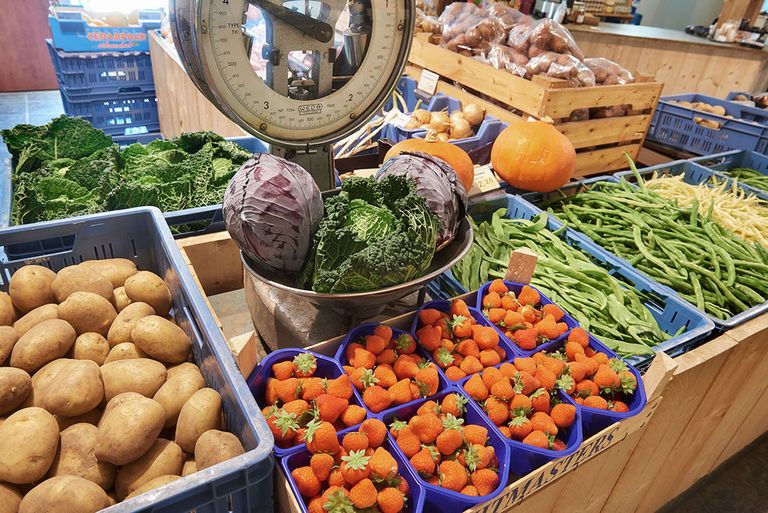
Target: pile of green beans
<point>611,310</point>
<point>706,264</point>
<point>749,177</point>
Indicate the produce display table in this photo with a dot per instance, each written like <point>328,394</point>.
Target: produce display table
<point>703,407</point>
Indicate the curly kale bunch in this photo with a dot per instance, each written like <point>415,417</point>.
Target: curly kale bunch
<point>374,235</point>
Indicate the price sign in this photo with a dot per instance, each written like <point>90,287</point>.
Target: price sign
<point>400,119</point>
<point>485,181</point>
<point>428,81</point>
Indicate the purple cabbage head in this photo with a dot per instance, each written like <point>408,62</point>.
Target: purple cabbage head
<point>272,208</point>
<point>437,183</point>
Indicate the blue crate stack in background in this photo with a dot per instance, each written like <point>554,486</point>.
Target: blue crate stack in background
<point>104,72</point>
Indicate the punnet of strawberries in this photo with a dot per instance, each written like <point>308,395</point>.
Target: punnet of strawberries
<point>296,399</point>
<point>445,450</point>
<point>522,400</point>
<point>522,318</point>
<point>388,370</point>
<point>592,378</point>
<point>457,342</point>
<point>354,475</point>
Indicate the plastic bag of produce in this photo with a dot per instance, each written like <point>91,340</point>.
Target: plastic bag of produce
<point>428,24</point>
<point>508,17</point>
<point>563,66</point>
<point>543,36</point>
<point>468,30</point>
<point>508,59</point>
<point>608,72</point>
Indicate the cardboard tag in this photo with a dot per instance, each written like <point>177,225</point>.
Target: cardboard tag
<point>400,119</point>
<point>522,264</point>
<point>428,81</point>
<point>485,181</point>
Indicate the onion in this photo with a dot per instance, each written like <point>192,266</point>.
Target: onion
<point>460,128</point>
<point>442,137</point>
<point>437,127</point>
<point>412,124</point>
<point>421,115</point>
<point>473,113</point>
<point>440,117</point>
<point>457,115</point>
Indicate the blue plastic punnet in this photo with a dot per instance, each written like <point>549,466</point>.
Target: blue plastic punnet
<point>722,162</point>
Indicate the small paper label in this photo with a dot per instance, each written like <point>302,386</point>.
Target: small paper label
<point>400,119</point>
<point>428,81</point>
<point>485,181</point>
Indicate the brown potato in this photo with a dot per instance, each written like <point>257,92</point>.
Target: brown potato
<point>91,417</point>
<point>72,494</point>
<point>125,351</point>
<point>28,441</point>
<point>216,446</point>
<point>163,458</point>
<point>161,339</point>
<point>30,287</point>
<point>190,467</point>
<point>141,375</point>
<point>127,431</point>
<point>8,338</point>
<point>7,313</point>
<point>120,399</point>
<point>149,288</point>
<point>151,485</point>
<point>88,312</point>
<point>44,343</point>
<point>120,331</point>
<point>199,414</point>
<point>67,387</point>
<point>77,278</point>
<point>15,386</point>
<point>10,498</point>
<point>90,346</point>
<point>76,457</point>
<point>116,270</point>
<point>35,317</point>
<point>120,299</point>
<point>183,381</point>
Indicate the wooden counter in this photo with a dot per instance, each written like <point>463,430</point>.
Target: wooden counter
<point>685,63</point>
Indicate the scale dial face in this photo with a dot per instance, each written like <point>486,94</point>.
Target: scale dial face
<point>295,73</point>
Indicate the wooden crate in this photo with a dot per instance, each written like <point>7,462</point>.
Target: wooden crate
<point>600,143</point>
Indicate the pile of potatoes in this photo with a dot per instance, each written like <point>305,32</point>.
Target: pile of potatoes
<point>98,401</point>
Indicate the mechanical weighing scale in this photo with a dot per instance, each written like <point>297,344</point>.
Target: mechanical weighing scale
<point>317,71</point>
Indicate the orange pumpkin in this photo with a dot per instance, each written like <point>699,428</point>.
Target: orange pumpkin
<point>533,156</point>
<point>452,154</point>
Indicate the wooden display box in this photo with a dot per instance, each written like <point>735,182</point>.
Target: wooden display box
<point>600,143</point>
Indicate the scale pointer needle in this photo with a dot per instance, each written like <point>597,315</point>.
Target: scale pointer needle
<point>319,30</point>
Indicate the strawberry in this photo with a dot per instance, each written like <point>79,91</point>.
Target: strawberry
<point>537,439</point>
<point>297,407</point>
<point>540,400</point>
<point>288,390</point>
<point>525,384</point>
<point>578,371</point>
<point>400,392</point>
<point>350,352</point>
<point>283,370</point>
<point>354,467</point>
<point>283,425</point>
<point>452,475</point>
<point>356,377</point>
<point>390,500</point>
<point>340,387</point>
<point>540,421</point>
<point>376,431</point>
<point>355,441</point>
<point>427,380</point>
<point>514,320</point>
<point>618,406</point>
<point>311,388</point>
<point>368,379</point>
<point>497,410</point>
<point>405,344</point>
<point>546,377</point>
<point>528,296</point>
<point>306,481</point>
<point>521,404</point>
<point>509,302</point>
<point>553,310</point>
<point>489,358</point>
<point>376,398</point>
<point>528,364</point>
<point>590,364</point>
<point>495,315</point>
<point>507,370</point>
<point>498,286</point>
<point>454,404</point>
<point>555,365</point>
<point>548,328</point>
<point>396,427</point>
<point>428,407</point>
<point>385,332</point>
<point>470,490</point>
<point>528,312</point>
<point>587,388</point>
<point>364,358</point>
<point>491,375</point>
<point>519,427</point>
<point>563,415</point>
<point>330,407</point>
<point>600,358</point>
<point>429,337</point>
<point>429,316</point>
<point>474,434</point>
<point>315,505</point>
<point>337,500</point>
<point>321,437</point>
<point>385,375</point>
<point>451,438</point>
<point>455,374</point>
<point>580,336</point>
<point>492,300</point>
<point>486,337</point>
<point>468,348</point>
<point>526,339</point>
<point>388,356</point>
<point>443,357</point>
<point>363,494</point>
<point>321,465</point>
<point>558,445</point>
<point>423,462</point>
<point>485,480</point>
<point>382,464</point>
<point>374,344</point>
<point>408,442</point>
<point>628,382</point>
<point>607,379</point>
<point>426,426</point>
<point>270,391</point>
<point>304,365</point>
<point>459,307</point>
<point>476,389</point>
<point>405,367</point>
<point>353,415</point>
<point>571,348</point>
<point>595,401</point>
<point>336,478</point>
<point>503,389</point>
<point>505,431</point>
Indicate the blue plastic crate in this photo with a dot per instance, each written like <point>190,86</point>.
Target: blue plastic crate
<point>691,172</point>
<point>71,33</point>
<point>97,72</point>
<point>242,484</point>
<point>669,310</point>
<point>120,114</point>
<point>674,126</point>
<point>724,161</point>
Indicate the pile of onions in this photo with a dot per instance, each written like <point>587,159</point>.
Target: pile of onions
<point>459,125</point>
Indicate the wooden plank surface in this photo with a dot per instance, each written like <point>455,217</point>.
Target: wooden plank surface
<point>560,103</point>
<point>606,159</point>
<point>595,132</point>
<point>24,61</point>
